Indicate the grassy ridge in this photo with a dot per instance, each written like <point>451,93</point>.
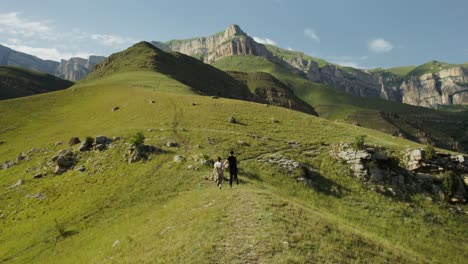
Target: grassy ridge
<point>162,211</point>
<point>18,82</point>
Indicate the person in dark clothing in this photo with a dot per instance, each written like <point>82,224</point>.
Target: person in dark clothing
<point>232,161</point>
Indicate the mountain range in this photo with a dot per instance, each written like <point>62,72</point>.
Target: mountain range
<point>118,167</point>
<point>73,69</point>
<point>434,84</point>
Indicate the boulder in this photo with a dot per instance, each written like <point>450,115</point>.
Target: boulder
<point>17,184</point>
<point>171,144</point>
<point>81,168</point>
<point>102,140</point>
<point>232,120</point>
<point>100,147</point>
<point>84,147</point>
<point>7,164</point>
<point>74,141</point>
<point>178,158</point>
<point>414,159</point>
<point>65,159</point>
<point>38,176</point>
<point>115,108</point>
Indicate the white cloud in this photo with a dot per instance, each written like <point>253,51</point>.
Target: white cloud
<point>264,41</point>
<point>111,40</point>
<point>289,48</point>
<point>349,61</point>
<point>44,40</point>
<point>310,33</point>
<point>46,53</point>
<point>380,45</point>
<point>11,23</point>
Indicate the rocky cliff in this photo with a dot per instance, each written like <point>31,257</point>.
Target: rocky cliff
<point>447,86</point>
<point>73,69</point>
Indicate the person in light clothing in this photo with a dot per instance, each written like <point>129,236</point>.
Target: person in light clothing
<point>218,172</point>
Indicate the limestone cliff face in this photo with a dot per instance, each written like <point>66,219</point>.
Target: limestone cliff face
<point>76,69</point>
<point>73,69</point>
<point>232,41</point>
<point>445,87</point>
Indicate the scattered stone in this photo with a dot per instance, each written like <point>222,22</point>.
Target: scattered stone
<point>74,141</point>
<point>242,143</point>
<point>38,176</point>
<point>214,97</point>
<point>115,108</point>
<point>282,162</point>
<point>7,164</point>
<point>152,101</point>
<point>100,147</point>
<point>17,184</point>
<point>58,143</point>
<point>140,152</point>
<point>116,243</point>
<point>22,156</point>
<point>192,167</point>
<point>274,120</point>
<point>116,138</point>
<point>194,104</point>
<point>102,140</point>
<point>150,130</point>
<point>39,196</point>
<point>65,159</point>
<point>232,120</point>
<point>81,168</point>
<point>171,144</point>
<point>178,158</point>
<point>2,142</point>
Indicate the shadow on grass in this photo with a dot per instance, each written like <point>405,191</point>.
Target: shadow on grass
<point>250,175</point>
<point>323,185</point>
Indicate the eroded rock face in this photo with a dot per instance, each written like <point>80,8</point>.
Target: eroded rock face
<point>73,69</point>
<point>445,87</point>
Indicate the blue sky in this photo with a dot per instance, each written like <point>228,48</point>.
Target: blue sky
<point>365,33</point>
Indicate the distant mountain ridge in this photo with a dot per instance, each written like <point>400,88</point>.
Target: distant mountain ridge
<point>73,69</point>
<point>415,87</point>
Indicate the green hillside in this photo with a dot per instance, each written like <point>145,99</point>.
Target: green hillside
<point>267,89</point>
<point>166,211</point>
<point>440,128</point>
<point>163,208</point>
<point>430,67</point>
<point>18,82</point>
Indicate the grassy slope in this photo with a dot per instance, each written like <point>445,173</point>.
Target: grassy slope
<point>201,77</point>
<point>161,211</point>
<point>17,82</point>
<point>367,112</point>
<point>270,90</point>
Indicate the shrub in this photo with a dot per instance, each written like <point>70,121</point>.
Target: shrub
<point>359,142</point>
<point>137,139</point>
<point>450,183</point>
<point>430,151</point>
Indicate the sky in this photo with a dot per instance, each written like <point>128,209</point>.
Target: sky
<point>357,33</point>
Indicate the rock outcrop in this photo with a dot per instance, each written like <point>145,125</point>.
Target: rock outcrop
<point>446,87</point>
<point>441,177</point>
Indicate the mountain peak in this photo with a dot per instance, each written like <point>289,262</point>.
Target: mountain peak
<point>234,30</point>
